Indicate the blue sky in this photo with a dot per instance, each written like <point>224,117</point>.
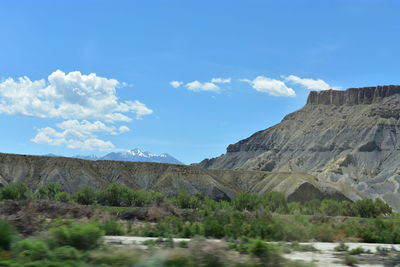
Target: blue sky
<point>241,66</point>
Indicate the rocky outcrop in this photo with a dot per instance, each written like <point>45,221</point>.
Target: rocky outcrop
<point>347,137</point>
<point>72,174</point>
<point>352,96</point>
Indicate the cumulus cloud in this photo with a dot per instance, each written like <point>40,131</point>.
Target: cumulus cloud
<point>270,86</point>
<point>68,96</point>
<point>197,86</point>
<point>176,84</point>
<point>221,80</point>
<point>76,98</point>
<point>76,134</point>
<point>312,84</point>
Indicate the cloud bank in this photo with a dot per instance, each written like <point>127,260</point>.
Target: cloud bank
<point>271,86</point>
<point>76,98</point>
<point>312,84</point>
<point>196,86</point>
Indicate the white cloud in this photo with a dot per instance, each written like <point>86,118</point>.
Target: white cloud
<point>312,84</point>
<point>78,135</point>
<point>221,80</point>
<point>176,84</point>
<point>270,86</point>
<point>197,86</point>
<point>68,96</point>
<point>76,98</point>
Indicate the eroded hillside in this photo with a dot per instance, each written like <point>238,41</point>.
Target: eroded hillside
<point>73,174</point>
<point>346,137</point>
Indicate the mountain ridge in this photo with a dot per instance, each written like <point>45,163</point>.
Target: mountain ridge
<point>73,174</point>
<point>348,137</point>
<point>131,155</point>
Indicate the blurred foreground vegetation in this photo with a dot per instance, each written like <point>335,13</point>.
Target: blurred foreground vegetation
<point>50,227</point>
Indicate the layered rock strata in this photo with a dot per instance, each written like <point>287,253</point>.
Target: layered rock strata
<point>346,137</point>
<point>73,174</point>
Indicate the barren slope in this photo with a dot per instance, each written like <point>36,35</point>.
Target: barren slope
<point>73,174</point>
<point>347,137</point>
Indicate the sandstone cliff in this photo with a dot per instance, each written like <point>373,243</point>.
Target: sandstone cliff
<point>73,174</point>
<point>346,137</point>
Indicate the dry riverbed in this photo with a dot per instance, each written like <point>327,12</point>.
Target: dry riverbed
<point>324,254</point>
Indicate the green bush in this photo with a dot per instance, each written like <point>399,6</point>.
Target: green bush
<point>381,231</point>
<point>113,195</point>
<point>179,260</point>
<point>275,202</point>
<point>6,235</point>
<point>372,208</point>
<point>112,227</point>
<point>246,201</point>
<point>356,251</point>
<point>48,191</point>
<point>66,253</point>
<point>341,247</point>
<point>18,191</point>
<point>63,197</point>
<point>350,260</point>
<point>184,200</point>
<point>82,237</point>
<point>268,254</point>
<point>86,196</point>
<point>115,257</point>
<point>213,228</point>
<point>31,249</point>
<point>141,198</point>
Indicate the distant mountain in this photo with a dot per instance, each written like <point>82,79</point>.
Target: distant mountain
<point>52,155</point>
<point>133,155</point>
<point>87,157</point>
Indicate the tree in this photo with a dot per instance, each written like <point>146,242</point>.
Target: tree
<point>18,191</point>
<point>184,200</point>
<point>86,196</point>
<point>114,195</point>
<point>275,202</point>
<point>246,201</point>
<point>48,191</point>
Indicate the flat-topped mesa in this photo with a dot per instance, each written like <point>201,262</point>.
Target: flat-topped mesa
<point>352,96</point>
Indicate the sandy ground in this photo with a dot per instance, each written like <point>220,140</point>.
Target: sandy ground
<point>325,256</point>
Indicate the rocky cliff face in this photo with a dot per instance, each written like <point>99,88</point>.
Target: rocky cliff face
<point>347,137</point>
<point>73,174</point>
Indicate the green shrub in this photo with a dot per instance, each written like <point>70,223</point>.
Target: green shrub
<point>82,237</point>
<point>18,191</point>
<point>268,253</point>
<point>185,200</point>
<point>31,249</point>
<point>213,228</point>
<point>381,231</point>
<point>341,247</point>
<point>115,257</point>
<point>66,253</point>
<point>350,260</point>
<point>246,201</point>
<point>48,191</point>
<point>63,197</point>
<point>179,259</point>
<point>86,196</point>
<point>141,198</point>
<point>356,251</point>
<point>113,195</point>
<point>275,202</point>
<point>6,235</point>
<point>112,227</point>
<point>372,208</point>
<point>182,244</point>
